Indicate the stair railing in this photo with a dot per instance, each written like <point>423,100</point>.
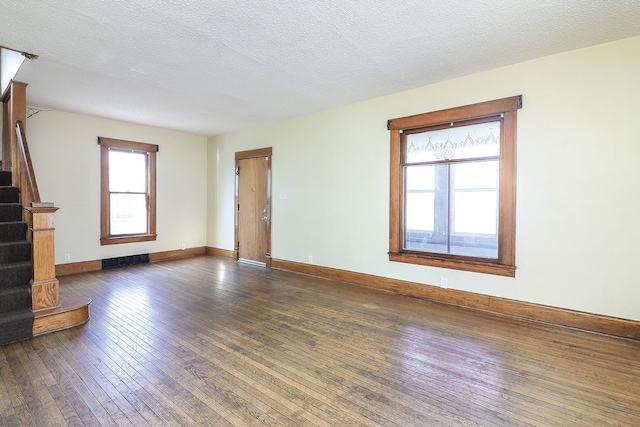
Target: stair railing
<point>29,186</point>
<point>45,292</point>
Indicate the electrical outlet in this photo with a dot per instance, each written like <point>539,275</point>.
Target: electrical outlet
<point>184,247</point>
<point>67,257</point>
<point>310,259</point>
<point>444,282</point>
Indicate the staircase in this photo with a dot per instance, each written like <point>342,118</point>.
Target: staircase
<point>30,303</point>
<point>16,317</point>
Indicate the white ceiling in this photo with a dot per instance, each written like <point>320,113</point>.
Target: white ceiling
<point>213,66</point>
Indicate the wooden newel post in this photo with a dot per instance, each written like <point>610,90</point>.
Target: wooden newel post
<point>45,292</point>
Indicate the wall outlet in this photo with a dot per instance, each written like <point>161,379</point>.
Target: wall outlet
<point>183,247</point>
<point>310,259</point>
<point>67,257</point>
<point>444,282</point>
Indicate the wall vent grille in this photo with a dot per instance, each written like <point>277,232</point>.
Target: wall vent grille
<point>124,261</point>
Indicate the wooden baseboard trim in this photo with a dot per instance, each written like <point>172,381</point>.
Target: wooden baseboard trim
<point>96,265</point>
<point>225,253</point>
<point>177,254</point>
<point>618,327</point>
<point>78,267</point>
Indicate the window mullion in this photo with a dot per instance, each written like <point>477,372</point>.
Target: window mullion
<point>449,208</point>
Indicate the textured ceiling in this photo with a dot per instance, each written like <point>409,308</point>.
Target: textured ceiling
<point>210,67</point>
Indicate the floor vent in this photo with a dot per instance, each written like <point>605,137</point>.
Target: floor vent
<point>123,261</point>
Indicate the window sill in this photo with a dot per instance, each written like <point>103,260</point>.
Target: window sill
<point>455,264</point>
<point>114,240</point>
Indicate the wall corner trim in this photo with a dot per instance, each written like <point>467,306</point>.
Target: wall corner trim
<point>225,253</point>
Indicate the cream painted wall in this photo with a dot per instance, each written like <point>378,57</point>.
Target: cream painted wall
<point>578,203</point>
<point>66,159</point>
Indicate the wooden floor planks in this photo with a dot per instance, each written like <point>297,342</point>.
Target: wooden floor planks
<point>209,341</point>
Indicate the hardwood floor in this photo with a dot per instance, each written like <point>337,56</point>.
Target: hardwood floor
<point>208,341</point>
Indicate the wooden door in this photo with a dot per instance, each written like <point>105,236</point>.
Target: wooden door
<point>253,207</point>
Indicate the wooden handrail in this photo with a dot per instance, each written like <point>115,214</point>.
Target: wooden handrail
<point>33,194</point>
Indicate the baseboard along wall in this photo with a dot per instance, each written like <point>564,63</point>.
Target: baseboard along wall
<point>96,265</point>
<point>608,325</point>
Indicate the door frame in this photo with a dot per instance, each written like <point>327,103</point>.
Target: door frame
<point>250,154</point>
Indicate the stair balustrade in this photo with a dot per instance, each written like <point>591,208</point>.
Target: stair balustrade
<point>39,217</point>
<point>51,313</point>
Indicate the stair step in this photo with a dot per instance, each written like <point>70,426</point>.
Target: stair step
<point>72,312</point>
<point>16,325</point>
<point>14,231</point>
<point>15,252</point>
<point>15,299</point>
<point>5,178</point>
<point>9,195</point>
<point>15,274</point>
<point>10,212</point>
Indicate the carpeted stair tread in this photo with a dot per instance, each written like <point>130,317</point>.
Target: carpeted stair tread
<point>13,231</point>
<point>15,274</point>
<point>15,252</point>
<point>16,269</point>
<point>9,195</point>
<point>13,299</point>
<point>10,212</point>
<point>5,179</point>
<point>16,325</point>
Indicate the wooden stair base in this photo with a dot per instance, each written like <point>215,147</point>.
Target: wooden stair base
<point>71,312</point>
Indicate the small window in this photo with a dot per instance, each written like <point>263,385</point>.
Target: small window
<point>453,188</point>
<point>128,183</point>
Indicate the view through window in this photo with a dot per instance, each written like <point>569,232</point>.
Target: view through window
<point>127,192</point>
<point>451,190</point>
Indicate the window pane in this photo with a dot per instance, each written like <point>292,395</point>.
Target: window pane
<point>127,172</point>
<point>422,205</point>
<point>419,206</point>
<point>475,212</point>
<point>475,222</point>
<point>419,209</point>
<point>475,204</point>
<point>479,140</point>
<point>460,219</point>
<point>128,214</point>
<point>476,175</point>
<point>420,178</point>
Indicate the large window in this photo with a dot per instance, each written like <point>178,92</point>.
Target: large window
<point>453,187</point>
<point>128,183</point>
